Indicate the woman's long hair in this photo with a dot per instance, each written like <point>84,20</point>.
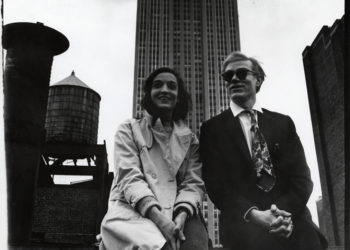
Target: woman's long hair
<point>183,98</point>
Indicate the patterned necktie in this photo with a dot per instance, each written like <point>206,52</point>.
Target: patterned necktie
<point>261,157</point>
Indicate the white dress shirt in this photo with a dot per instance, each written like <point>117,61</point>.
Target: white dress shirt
<point>246,124</point>
<point>245,120</point>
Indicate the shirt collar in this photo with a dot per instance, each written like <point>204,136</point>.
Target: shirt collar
<point>236,109</point>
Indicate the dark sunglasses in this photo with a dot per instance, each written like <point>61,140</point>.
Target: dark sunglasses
<point>241,74</point>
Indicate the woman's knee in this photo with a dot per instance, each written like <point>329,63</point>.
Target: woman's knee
<point>196,235</point>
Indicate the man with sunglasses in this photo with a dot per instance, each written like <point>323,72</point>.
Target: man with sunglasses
<point>255,170</point>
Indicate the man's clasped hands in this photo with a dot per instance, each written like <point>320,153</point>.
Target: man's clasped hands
<point>275,220</point>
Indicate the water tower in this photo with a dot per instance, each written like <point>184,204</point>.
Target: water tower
<point>72,112</point>
<point>71,151</point>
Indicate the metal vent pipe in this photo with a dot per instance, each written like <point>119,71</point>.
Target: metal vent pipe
<point>30,49</point>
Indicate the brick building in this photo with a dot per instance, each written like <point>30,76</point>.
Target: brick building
<point>324,72</point>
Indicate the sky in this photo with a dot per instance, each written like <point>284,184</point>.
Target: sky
<point>102,51</point>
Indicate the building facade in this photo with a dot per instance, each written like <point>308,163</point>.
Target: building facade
<point>193,37</point>
<point>324,72</point>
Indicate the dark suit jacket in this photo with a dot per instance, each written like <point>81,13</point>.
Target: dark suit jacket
<point>228,169</point>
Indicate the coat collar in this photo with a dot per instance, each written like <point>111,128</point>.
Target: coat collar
<point>180,129</point>
<point>236,109</point>
<point>182,137</point>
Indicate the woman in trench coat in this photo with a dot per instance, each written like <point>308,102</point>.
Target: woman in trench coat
<point>157,192</point>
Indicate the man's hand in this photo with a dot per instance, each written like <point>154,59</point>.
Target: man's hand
<point>261,218</point>
<point>276,211</point>
<point>180,220</point>
<point>274,220</point>
<point>282,225</point>
<point>285,229</point>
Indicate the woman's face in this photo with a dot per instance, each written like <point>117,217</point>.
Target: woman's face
<point>164,91</point>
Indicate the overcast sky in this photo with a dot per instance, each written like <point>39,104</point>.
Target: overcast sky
<point>102,48</point>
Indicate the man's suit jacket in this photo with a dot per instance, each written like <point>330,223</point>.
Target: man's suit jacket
<point>228,169</point>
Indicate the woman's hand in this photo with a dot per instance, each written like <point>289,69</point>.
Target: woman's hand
<point>166,226</point>
<point>180,221</point>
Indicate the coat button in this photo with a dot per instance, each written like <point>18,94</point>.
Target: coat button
<point>154,175</point>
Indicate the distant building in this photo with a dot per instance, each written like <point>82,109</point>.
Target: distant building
<point>322,222</point>
<point>194,38</point>
<point>324,72</point>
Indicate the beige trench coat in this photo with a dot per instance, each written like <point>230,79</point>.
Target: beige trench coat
<point>137,176</point>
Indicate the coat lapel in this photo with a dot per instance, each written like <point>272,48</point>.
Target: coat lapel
<point>145,125</point>
<point>181,142</point>
<point>265,128</point>
<point>234,130</point>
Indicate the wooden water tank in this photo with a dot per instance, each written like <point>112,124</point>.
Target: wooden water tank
<point>72,112</point>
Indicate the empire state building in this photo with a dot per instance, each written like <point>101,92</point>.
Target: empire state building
<point>193,37</point>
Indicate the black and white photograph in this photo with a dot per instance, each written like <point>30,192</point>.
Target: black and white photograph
<point>173,125</point>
